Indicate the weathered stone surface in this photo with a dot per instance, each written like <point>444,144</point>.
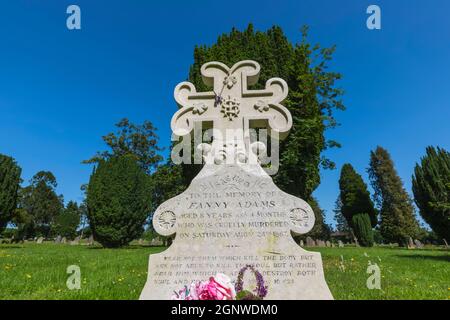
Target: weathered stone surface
<point>230,218</point>
<point>328,244</point>
<point>302,243</point>
<point>58,239</point>
<point>76,241</point>
<point>40,240</point>
<point>64,240</point>
<point>340,244</point>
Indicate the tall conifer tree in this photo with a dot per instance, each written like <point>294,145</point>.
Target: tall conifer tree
<point>431,188</point>
<point>398,221</point>
<point>9,186</point>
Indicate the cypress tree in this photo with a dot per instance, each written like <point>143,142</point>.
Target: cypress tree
<point>312,100</point>
<point>9,186</point>
<point>398,222</point>
<point>118,201</point>
<point>431,188</point>
<point>357,207</point>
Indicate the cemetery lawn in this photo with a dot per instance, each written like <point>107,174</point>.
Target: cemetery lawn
<point>33,271</point>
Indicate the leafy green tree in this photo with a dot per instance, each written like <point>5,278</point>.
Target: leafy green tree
<point>357,207</point>
<point>67,222</point>
<point>431,188</point>
<point>9,186</point>
<point>41,203</point>
<point>139,141</point>
<point>166,182</point>
<point>398,221</point>
<point>118,201</point>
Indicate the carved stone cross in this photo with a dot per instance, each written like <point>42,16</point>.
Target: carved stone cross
<point>231,108</point>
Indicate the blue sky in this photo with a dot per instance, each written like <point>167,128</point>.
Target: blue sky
<point>61,90</point>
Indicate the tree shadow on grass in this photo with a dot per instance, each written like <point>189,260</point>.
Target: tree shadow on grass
<point>10,247</point>
<point>445,258</point>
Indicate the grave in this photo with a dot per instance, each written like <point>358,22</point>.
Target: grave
<point>232,215</point>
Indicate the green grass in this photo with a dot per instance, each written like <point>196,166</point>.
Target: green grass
<point>33,271</point>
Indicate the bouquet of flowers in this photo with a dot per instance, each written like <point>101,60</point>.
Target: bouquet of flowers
<point>220,287</point>
<point>217,288</point>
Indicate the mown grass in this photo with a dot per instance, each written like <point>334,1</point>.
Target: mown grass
<point>33,271</point>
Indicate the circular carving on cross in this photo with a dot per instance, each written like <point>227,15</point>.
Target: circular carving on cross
<point>164,222</point>
<point>301,220</point>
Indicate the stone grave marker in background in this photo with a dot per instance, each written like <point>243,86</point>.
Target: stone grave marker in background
<point>75,241</point>
<point>40,240</point>
<point>328,244</point>
<point>91,240</point>
<point>340,244</point>
<point>58,239</point>
<point>64,240</point>
<point>232,214</point>
<point>310,242</point>
<point>418,244</point>
<point>411,244</point>
<point>302,244</point>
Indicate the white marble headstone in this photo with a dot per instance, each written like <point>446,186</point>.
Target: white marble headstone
<point>232,214</point>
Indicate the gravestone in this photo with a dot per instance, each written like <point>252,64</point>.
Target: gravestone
<point>141,242</point>
<point>156,242</point>
<point>91,240</point>
<point>340,244</point>
<point>328,244</point>
<point>411,243</point>
<point>310,242</point>
<point>40,240</point>
<point>58,239</point>
<point>64,240</point>
<point>320,243</point>
<point>75,241</point>
<point>418,244</point>
<point>232,214</point>
<point>302,244</point>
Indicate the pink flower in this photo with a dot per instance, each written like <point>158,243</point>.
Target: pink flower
<point>217,288</point>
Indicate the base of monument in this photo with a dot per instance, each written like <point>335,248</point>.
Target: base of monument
<point>290,274</point>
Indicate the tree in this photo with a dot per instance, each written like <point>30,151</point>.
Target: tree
<point>67,222</point>
<point>362,229</point>
<point>166,182</point>
<point>41,203</point>
<point>118,200</point>
<point>313,98</point>
<point>431,188</point>
<point>341,222</point>
<point>357,207</point>
<point>9,186</point>
<point>398,222</point>
<point>139,141</point>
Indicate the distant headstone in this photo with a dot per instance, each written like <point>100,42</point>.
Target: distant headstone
<point>411,244</point>
<point>40,240</point>
<point>446,244</point>
<point>320,243</point>
<point>301,243</point>
<point>328,244</point>
<point>156,242</point>
<point>64,240</point>
<point>340,244</point>
<point>58,239</point>
<point>75,242</point>
<point>418,244</point>
<point>310,242</point>
<point>141,242</point>
<point>91,240</point>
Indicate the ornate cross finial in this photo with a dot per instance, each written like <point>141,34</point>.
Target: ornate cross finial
<point>231,107</point>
